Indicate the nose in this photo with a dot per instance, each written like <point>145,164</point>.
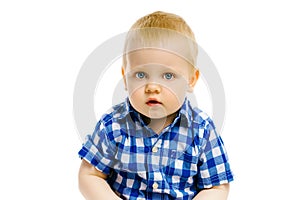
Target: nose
<point>152,88</point>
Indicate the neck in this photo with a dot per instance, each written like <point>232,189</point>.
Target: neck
<point>157,125</point>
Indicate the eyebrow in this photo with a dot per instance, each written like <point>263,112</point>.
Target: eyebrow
<point>161,71</point>
<point>160,66</point>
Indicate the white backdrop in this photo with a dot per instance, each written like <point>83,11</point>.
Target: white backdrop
<point>254,45</point>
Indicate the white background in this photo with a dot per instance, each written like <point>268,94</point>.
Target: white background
<point>254,45</point>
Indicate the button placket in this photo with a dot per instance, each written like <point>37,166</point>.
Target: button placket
<point>156,146</point>
<point>154,149</point>
<point>155,185</point>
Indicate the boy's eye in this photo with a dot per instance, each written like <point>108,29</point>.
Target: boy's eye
<point>140,75</point>
<point>168,76</point>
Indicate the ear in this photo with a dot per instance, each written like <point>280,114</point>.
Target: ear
<point>124,77</point>
<point>193,80</point>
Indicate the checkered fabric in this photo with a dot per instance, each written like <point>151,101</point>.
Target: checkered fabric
<point>186,157</point>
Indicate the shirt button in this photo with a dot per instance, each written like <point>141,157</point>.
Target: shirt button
<point>155,185</point>
<point>154,149</point>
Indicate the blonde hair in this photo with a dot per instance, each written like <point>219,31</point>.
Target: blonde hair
<point>165,31</point>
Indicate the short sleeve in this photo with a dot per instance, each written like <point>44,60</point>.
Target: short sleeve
<point>99,150</point>
<point>214,168</point>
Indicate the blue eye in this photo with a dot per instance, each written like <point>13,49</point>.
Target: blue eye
<point>140,75</point>
<point>168,76</point>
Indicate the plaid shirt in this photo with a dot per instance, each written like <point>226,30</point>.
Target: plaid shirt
<point>186,157</point>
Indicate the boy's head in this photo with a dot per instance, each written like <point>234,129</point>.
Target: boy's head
<point>159,64</point>
<point>163,31</point>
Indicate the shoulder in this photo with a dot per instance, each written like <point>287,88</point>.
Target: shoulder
<point>202,126</point>
<point>202,119</point>
<point>110,121</point>
<point>114,112</point>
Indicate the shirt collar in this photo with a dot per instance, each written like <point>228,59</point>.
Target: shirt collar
<point>186,112</point>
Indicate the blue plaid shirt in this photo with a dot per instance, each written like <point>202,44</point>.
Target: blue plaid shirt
<point>186,157</point>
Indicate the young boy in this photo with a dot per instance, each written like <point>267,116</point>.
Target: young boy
<point>154,145</point>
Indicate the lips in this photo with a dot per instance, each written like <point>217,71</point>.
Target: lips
<point>153,102</point>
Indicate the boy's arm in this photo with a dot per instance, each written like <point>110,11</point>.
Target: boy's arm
<point>217,192</point>
<point>92,183</point>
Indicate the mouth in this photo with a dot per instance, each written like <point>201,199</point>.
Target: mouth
<point>153,102</point>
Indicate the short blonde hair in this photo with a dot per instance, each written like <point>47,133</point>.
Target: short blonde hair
<point>158,30</point>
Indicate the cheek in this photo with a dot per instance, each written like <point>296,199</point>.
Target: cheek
<point>135,95</point>
<point>134,87</point>
<point>178,89</point>
<point>176,97</point>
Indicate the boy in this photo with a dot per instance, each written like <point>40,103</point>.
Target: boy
<point>154,145</point>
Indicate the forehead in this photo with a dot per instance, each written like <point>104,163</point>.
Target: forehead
<point>161,38</point>
<point>156,57</point>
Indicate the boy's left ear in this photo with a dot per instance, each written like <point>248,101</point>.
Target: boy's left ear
<point>193,80</point>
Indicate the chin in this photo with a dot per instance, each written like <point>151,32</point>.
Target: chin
<point>156,116</point>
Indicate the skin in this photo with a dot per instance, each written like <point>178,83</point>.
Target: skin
<point>92,183</point>
<point>157,82</point>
